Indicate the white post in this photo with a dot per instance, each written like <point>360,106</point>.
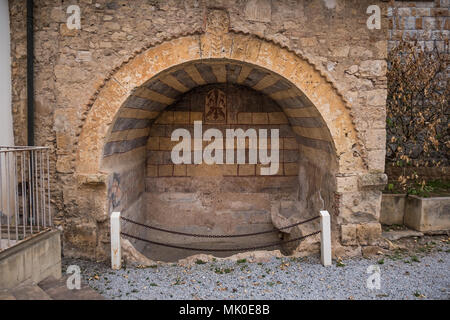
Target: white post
<point>116,254</point>
<point>325,238</point>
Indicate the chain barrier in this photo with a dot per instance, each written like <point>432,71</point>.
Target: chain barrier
<point>220,249</point>
<point>217,235</point>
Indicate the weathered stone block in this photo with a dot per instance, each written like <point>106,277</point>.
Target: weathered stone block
<point>165,170</point>
<point>260,118</point>
<point>31,261</point>
<point>277,118</point>
<point>66,32</point>
<point>376,160</point>
<point>308,42</point>
<point>166,117</point>
<point>153,143</point>
<point>179,170</point>
<point>91,179</point>
<point>291,169</point>
<point>373,68</point>
<point>64,164</point>
<point>79,235</point>
<point>290,144</point>
<point>258,10</point>
<point>375,138</point>
<point>339,251</point>
<point>96,82</point>
<point>370,251</point>
<point>247,169</point>
<point>196,116</point>
<point>360,207</point>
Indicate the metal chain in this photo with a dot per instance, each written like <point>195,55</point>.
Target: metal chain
<point>217,235</point>
<point>220,250</point>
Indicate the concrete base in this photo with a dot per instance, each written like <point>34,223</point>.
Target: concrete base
<point>427,214</point>
<point>392,208</point>
<point>31,261</point>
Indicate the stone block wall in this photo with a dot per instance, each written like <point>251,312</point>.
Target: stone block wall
<point>19,71</point>
<point>427,22</point>
<point>221,198</point>
<point>83,78</point>
<point>32,260</point>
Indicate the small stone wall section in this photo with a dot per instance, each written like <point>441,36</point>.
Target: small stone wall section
<point>427,22</point>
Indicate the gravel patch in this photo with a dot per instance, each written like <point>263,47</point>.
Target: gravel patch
<point>404,275</point>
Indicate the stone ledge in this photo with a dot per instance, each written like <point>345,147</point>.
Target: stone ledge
<point>373,181</point>
<point>91,179</point>
<point>396,235</point>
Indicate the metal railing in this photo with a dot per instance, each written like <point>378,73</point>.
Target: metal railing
<point>24,193</point>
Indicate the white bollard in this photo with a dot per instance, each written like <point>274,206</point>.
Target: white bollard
<point>116,253</point>
<point>325,238</point>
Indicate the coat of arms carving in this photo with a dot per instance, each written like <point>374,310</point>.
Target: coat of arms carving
<point>216,106</point>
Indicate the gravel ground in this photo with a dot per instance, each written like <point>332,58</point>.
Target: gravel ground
<point>423,274</point>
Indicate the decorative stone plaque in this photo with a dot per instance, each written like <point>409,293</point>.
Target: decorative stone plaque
<point>216,107</point>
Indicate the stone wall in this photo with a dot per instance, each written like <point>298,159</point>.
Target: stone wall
<point>84,76</point>
<point>221,198</point>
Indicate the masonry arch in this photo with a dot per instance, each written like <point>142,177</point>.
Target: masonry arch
<point>114,139</point>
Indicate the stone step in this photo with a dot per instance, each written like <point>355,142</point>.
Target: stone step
<point>29,292</point>
<point>57,290</point>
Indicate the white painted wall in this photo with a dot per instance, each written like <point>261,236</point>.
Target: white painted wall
<point>6,127</point>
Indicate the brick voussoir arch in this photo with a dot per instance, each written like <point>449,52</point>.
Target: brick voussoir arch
<point>323,73</point>
<point>233,46</point>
